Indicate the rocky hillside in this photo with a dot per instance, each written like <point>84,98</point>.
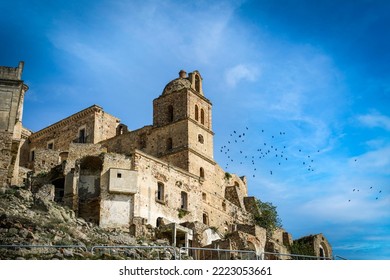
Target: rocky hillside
<point>28,218</point>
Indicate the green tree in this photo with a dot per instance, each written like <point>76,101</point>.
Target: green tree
<point>267,217</point>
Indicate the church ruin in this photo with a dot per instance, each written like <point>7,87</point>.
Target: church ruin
<point>159,180</point>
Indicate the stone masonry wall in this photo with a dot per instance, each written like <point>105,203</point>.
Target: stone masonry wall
<point>175,181</point>
<point>5,156</point>
<point>116,209</point>
<point>12,92</point>
<point>161,115</point>
<point>105,126</point>
<point>203,104</point>
<point>45,160</point>
<point>127,142</point>
<point>98,126</point>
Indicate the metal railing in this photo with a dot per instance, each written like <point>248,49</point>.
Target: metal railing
<point>280,256</point>
<point>139,252</point>
<point>170,252</point>
<point>216,254</point>
<point>338,258</point>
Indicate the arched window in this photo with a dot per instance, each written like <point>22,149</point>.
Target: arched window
<point>197,83</point>
<point>200,138</point>
<point>170,113</point>
<point>201,116</point>
<point>204,196</point>
<point>169,144</point>
<point>224,206</point>
<point>201,172</point>
<point>196,113</point>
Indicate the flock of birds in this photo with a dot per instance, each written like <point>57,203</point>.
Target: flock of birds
<point>375,191</point>
<point>270,154</point>
<point>271,148</point>
<point>372,191</point>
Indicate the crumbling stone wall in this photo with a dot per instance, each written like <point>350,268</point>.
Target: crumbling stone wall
<point>126,143</point>
<point>5,157</point>
<point>45,160</point>
<point>116,209</point>
<point>24,155</point>
<point>77,151</point>
<point>12,91</point>
<point>175,181</point>
<point>72,170</point>
<point>161,107</point>
<point>318,243</point>
<point>97,124</point>
<point>280,243</point>
<point>88,192</point>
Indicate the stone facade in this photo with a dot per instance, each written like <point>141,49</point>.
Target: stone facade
<point>12,91</point>
<point>91,125</point>
<point>159,180</point>
<point>319,244</point>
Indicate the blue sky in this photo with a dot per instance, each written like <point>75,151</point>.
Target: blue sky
<point>312,75</point>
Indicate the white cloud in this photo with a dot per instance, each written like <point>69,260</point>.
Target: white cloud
<point>241,72</point>
<point>375,119</point>
<point>375,161</point>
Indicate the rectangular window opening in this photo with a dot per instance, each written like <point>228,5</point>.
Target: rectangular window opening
<point>184,201</point>
<point>160,192</point>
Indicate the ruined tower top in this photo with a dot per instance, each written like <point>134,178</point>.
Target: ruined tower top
<point>12,73</point>
<point>192,81</point>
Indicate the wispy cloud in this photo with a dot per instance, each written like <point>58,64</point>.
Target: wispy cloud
<point>241,72</point>
<point>375,119</point>
<point>374,161</point>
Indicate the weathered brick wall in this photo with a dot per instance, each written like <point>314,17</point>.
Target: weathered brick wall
<point>317,241</point>
<point>5,156</point>
<point>161,114</point>
<point>203,104</point>
<point>178,159</point>
<point>12,92</point>
<point>151,172</point>
<point>158,139</point>
<point>98,126</point>
<point>24,154</point>
<point>78,151</point>
<point>45,160</point>
<point>12,73</point>
<point>223,213</point>
<point>127,142</point>
<point>116,209</point>
<point>105,126</point>
<point>195,132</point>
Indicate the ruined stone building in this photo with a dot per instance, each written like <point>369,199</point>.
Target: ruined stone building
<point>162,176</point>
<point>12,134</point>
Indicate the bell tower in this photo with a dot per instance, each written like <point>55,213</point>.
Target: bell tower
<point>182,115</point>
